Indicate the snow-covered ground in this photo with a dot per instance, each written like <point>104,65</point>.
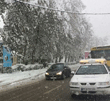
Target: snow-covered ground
<point>16,79</point>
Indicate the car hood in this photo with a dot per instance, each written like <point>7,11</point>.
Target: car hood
<point>90,78</point>
<point>53,71</point>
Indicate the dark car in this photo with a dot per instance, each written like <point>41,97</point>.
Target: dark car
<point>58,71</point>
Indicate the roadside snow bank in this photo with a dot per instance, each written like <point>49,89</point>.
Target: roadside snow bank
<point>20,78</point>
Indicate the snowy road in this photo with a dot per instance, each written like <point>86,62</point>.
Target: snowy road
<point>31,86</point>
<point>46,90</point>
<point>14,79</point>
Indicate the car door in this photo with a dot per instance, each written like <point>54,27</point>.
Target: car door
<point>66,71</point>
<point>108,69</point>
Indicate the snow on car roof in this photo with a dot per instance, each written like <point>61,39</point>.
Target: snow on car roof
<point>93,64</point>
<point>98,60</point>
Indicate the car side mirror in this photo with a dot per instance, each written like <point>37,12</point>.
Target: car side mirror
<point>72,72</point>
<point>65,67</point>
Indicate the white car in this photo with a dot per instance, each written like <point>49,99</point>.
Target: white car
<point>91,79</point>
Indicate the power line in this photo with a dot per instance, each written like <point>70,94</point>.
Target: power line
<point>62,10</point>
<point>94,13</point>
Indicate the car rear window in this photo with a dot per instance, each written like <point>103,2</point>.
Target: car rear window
<point>91,69</point>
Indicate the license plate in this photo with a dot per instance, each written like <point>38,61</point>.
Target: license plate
<point>88,89</point>
<point>53,77</point>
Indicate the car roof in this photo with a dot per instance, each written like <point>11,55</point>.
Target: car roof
<point>93,64</point>
<point>58,63</point>
<point>92,61</point>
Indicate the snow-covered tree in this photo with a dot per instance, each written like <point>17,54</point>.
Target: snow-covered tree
<point>39,33</point>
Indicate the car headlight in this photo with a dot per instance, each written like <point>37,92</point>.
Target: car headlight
<point>46,73</point>
<point>103,83</point>
<point>59,73</point>
<point>73,83</point>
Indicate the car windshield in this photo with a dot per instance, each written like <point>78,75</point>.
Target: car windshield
<point>56,67</point>
<point>91,69</point>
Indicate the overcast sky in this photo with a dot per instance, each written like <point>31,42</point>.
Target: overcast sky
<point>100,23</point>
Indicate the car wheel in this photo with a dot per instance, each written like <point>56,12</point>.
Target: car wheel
<point>69,74</point>
<point>73,95</point>
<point>46,78</point>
